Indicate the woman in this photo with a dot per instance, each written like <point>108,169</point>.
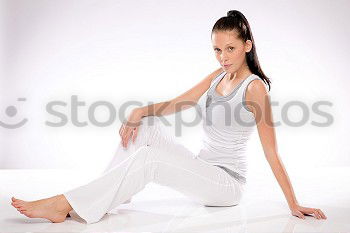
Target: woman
<point>213,177</point>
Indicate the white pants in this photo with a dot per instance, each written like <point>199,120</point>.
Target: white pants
<point>155,156</point>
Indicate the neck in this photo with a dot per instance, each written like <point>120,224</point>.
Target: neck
<point>241,73</point>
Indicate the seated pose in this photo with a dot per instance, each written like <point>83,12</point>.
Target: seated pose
<point>232,102</point>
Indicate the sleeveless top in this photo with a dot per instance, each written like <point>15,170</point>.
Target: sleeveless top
<point>227,126</point>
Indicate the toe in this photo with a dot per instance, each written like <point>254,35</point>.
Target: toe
<point>20,203</point>
<point>16,205</point>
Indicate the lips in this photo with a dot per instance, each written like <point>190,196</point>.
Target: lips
<point>226,66</point>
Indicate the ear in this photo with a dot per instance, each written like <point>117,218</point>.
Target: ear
<point>248,46</point>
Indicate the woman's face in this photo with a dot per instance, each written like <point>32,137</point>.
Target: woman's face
<point>230,50</point>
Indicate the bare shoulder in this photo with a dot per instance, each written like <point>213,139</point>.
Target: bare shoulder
<point>215,73</point>
<point>256,91</point>
<point>256,87</point>
<point>205,83</point>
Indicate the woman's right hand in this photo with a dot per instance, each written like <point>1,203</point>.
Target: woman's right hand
<point>130,127</point>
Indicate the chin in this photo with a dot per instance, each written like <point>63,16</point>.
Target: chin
<point>229,70</point>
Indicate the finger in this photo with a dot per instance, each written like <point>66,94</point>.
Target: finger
<point>121,130</point>
<point>121,134</point>
<point>124,138</point>
<point>127,141</point>
<point>317,215</point>
<point>127,132</point>
<point>122,142</point>
<point>127,137</point>
<point>134,134</point>
<point>322,214</point>
<point>319,212</point>
<point>300,215</point>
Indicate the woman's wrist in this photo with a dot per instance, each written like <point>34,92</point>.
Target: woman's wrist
<point>293,205</point>
<point>140,111</point>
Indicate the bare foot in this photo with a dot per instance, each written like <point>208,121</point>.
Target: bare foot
<point>53,208</point>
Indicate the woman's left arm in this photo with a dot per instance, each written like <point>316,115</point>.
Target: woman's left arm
<point>258,102</point>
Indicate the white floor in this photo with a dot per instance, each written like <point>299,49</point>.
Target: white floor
<point>160,209</point>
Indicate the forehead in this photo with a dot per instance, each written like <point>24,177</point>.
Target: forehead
<point>222,38</point>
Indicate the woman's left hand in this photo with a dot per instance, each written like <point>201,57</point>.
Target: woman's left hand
<point>299,211</point>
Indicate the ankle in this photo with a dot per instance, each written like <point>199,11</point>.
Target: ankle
<point>64,203</point>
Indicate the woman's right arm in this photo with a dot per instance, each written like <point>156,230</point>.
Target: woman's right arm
<point>182,102</point>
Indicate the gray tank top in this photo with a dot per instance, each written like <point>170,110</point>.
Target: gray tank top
<point>227,126</point>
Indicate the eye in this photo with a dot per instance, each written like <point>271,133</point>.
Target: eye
<point>231,48</point>
<point>216,50</point>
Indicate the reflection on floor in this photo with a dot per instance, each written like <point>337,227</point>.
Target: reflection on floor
<point>161,209</point>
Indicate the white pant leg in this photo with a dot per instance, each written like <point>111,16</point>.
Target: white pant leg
<point>174,166</point>
<point>150,132</point>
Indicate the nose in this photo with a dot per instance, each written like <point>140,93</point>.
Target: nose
<point>223,57</point>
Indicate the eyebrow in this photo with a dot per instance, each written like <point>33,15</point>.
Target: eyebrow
<point>225,45</point>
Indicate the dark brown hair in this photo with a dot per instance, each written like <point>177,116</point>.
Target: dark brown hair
<point>235,20</point>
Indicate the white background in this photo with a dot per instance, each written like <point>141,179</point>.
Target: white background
<point>152,51</point>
